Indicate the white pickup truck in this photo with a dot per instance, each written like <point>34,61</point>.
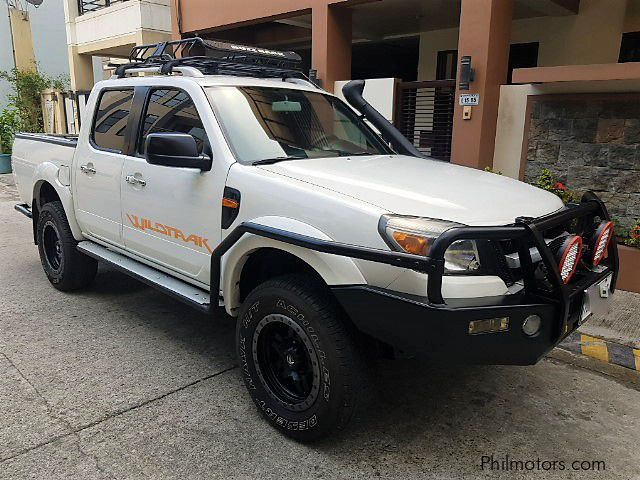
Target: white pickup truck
<point>227,178</point>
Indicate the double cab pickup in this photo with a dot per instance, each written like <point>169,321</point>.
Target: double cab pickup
<point>221,175</point>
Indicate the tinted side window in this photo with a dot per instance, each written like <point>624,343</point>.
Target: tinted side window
<point>170,110</point>
<point>111,119</point>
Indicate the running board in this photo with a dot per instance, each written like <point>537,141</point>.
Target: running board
<point>183,291</point>
<point>24,209</point>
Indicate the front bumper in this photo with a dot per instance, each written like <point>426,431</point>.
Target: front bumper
<point>416,327</point>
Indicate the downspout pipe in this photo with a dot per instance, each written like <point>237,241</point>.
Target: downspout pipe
<point>352,91</point>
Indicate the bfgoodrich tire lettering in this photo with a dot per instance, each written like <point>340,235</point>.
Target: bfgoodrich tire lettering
<point>65,267</point>
<point>298,361</point>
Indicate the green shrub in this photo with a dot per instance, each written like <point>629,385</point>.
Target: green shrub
<point>549,181</point>
<point>632,237</point>
<point>27,88</point>
<point>10,123</point>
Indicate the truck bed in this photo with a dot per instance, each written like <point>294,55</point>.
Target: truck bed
<point>30,150</point>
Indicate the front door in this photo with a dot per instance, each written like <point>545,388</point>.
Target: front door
<point>98,168</point>
<point>171,216</point>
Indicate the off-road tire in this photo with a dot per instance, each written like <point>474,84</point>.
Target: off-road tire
<point>66,268</point>
<point>305,308</point>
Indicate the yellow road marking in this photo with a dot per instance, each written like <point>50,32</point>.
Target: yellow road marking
<point>596,348</point>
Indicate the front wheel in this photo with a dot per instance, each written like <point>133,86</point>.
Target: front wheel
<point>298,360</point>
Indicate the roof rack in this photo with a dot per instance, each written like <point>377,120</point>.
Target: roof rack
<point>210,57</point>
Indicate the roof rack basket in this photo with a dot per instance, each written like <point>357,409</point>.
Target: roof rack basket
<point>213,58</point>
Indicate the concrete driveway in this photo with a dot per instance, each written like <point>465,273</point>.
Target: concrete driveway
<point>121,381</point>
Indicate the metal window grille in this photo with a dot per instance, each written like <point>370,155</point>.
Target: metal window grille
<point>424,115</point>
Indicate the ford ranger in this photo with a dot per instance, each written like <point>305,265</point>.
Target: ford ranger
<point>223,176</point>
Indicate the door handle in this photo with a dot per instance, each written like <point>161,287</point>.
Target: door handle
<point>133,180</point>
<point>87,169</point>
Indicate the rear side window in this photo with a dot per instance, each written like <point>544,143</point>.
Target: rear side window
<point>172,110</point>
<point>111,119</point>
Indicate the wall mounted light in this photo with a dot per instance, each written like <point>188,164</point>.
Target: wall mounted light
<point>467,74</point>
<point>313,76</point>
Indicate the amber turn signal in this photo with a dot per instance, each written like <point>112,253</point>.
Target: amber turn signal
<point>229,203</point>
<point>412,243</point>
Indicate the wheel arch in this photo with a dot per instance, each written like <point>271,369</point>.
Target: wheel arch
<point>47,188</point>
<point>255,259</point>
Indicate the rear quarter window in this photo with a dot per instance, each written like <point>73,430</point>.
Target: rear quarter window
<point>111,119</point>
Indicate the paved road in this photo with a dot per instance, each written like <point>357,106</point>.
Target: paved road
<point>123,382</point>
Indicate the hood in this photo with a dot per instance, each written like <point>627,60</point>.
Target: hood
<point>426,188</point>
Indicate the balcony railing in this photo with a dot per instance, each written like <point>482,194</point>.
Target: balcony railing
<point>87,6</point>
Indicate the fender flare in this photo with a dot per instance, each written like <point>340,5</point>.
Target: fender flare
<point>333,269</point>
<point>47,172</point>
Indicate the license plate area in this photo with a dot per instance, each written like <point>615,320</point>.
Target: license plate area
<point>596,300</point>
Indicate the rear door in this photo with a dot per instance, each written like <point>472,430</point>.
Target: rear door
<point>171,216</point>
<point>98,167</point>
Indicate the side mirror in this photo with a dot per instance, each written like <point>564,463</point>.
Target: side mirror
<point>175,150</point>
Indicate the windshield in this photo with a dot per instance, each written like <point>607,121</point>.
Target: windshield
<point>264,123</point>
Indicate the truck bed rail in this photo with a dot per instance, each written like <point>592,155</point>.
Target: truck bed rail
<point>62,139</point>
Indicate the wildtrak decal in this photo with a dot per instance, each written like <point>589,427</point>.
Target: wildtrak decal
<point>172,232</point>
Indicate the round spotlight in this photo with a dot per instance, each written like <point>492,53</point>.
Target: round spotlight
<point>600,241</point>
<point>568,256</point>
<point>531,325</point>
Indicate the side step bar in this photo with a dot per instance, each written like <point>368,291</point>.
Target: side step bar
<point>24,209</point>
<point>183,291</point>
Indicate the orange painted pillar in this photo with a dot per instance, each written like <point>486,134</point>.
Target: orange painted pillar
<point>485,32</point>
<point>331,44</point>
<point>176,19</point>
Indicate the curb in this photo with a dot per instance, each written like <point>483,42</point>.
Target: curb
<point>603,350</point>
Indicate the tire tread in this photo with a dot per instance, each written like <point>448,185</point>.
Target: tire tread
<point>317,297</point>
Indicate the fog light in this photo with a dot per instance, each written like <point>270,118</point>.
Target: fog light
<point>600,242</point>
<point>569,256</point>
<point>490,325</point>
<point>531,325</point>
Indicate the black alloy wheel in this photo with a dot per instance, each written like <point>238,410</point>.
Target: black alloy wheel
<point>52,246</point>
<point>287,363</point>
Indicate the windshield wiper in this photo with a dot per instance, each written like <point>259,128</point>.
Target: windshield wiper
<point>344,153</point>
<point>356,154</point>
<point>270,161</point>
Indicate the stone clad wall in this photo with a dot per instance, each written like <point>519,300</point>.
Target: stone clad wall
<point>591,143</point>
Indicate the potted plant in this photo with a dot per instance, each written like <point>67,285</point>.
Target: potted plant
<point>629,250</point>
<point>9,125</point>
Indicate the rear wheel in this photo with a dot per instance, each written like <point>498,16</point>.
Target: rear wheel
<point>65,267</point>
<point>299,362</point>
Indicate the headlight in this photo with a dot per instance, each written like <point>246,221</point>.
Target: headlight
<point>416,235</point>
